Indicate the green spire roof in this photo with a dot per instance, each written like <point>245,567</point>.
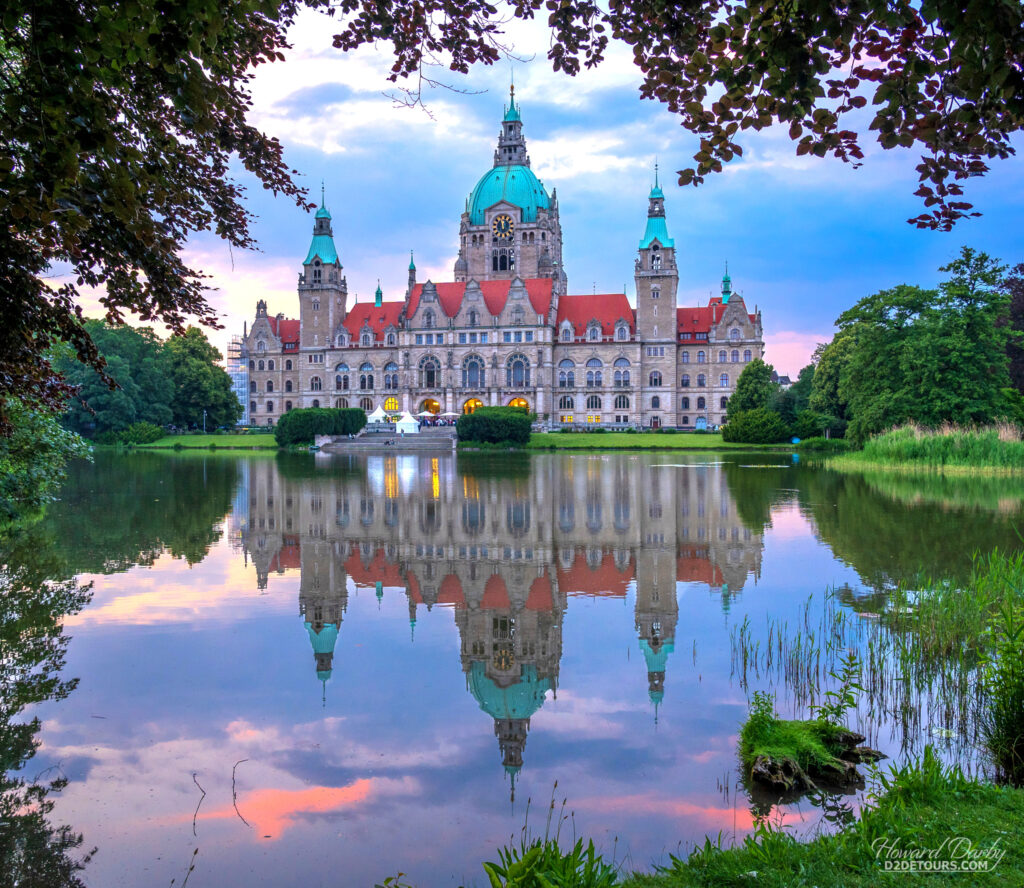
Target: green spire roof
<point>412,265</point>
<point>520,700</point>
<point>514,183</point>
<point>656,659</point>
<point>656,191</point>
<point>322,246</point>
<point>656,228</point>
<point>323,213</point>
<point>512,111</point>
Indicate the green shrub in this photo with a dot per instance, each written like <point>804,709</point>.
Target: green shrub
<point>808,424</point>
<point>495,425</point>
<point>758,426</point>
<point>1002,722</point>
<point>824,445</point>
<point>142,433</point>
<point>301,426</point>
<point>667,430</point>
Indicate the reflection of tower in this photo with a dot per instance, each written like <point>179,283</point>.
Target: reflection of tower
<point>323,599</point>
<point>657,612</point>
<point>511,632</point>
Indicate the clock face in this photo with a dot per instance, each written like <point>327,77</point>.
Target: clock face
<point>502,226</point>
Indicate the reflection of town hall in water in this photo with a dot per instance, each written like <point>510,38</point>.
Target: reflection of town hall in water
<point>506,330</point>
<point>504,555</point>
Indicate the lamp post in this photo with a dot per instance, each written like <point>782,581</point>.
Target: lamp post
<point>204,422</point>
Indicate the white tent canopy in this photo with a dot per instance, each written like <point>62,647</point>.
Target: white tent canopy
<point>378,415</point>
<point>425,413</point>
<point>449,413</point>
<point>407,424</point>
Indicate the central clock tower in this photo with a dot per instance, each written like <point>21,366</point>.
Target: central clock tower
<point>510,227</point>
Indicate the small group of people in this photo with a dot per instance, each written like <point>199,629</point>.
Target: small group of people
<point>437,421</point>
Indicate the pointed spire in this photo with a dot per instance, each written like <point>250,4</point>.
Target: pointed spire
<point>726,284</point>
<point>412,263</point>
<point>656,192</point>
<point>378,296</point>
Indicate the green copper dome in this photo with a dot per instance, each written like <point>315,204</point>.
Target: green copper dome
<point>323,641</point>
<point>322,246</point>
<point>323,213</point>
<point>516,184</point>
<point>520,700</point>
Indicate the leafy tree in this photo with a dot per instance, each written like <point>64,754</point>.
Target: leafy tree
<point>809,424</point>
<point>944,79</point>
<point>121,120</point>
<point>801,389</point>
<point>1014,284</point>
<point>137,361</point>
<point>757,426</point>
<point>830,360</point>
<point>120,124</point>
<point>32,461</point>
<point>199,383</point>
<point>929,356</point>
<point>754,389</point>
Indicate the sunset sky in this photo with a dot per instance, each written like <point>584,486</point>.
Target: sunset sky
<point>804,238</point>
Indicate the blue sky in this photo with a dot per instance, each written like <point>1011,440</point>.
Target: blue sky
<point>804,238</point>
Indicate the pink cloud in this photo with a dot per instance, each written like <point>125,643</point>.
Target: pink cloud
<point>790,350</point>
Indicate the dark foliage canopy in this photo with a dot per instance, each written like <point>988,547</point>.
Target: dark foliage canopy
<point>301,426</point>
<point>495,425</point>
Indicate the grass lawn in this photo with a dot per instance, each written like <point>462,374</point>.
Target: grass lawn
<point>216,442</point>
<point>652,441</point>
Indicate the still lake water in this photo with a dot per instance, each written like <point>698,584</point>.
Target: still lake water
<point>392,654</point>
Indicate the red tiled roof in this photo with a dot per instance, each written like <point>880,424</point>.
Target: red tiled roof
<point>540,598</point>
<point>450,591</point>
<point>606,580</point>
<point>495,595</point>
<point>378,317</point>
<point>700,318</point>
<point>495,293</point>
<point>378,569</point>
<point>606,308</point>
<point>286,330</point>
<point>694,566</point>
<point>288,557</point>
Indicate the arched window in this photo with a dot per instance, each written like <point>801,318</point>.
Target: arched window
<point>655,403</point>
<point>316,384</point>
<point>684,421</point>
<point>621,377</point>
<point>391,375</point>
<point>261,365</point>
<point>684,404</point>
<point>366,376</point>
<point>287,385</point>
<point>252,386</point>
<point>701,403</point>
<point>474,318</point>
<point>566,403</point>
<point>366,404</point>
<point>734,334</point>
<point>735,356</point>
<point>594,402</point>
<point>655,258</point>
<point>517,316</point>
<point>366,338</point>
<point>430,372</point>
<point>270,406</point>
<point>701,357</point>
<point>721,356</point>
<point>252,365</point>
<point>252,407</point>
<point>594,371</point>
<point>747,356</point>
<point>622,402</point>
<point>566,333</point>
<point>517,371</point>
<point>723,380</point>
<point>270,385</point>
<point>684,357</point>
<point>316,302</point>
<point>270,365</point>
<point>287,406</point>
<point>428,319</point>
<point>287,365</point>
<point>473,375</point>
<point>684,381</point>
<point>702,380</point>
<point>621,333</point>
<point>566,374</point>
<point>341,402</point>
<point>723,402</point>
<point>655,293</point>
<point>655,377</point>
<point>392,340</point>
<point>593,333</point>
<point>261,347</point>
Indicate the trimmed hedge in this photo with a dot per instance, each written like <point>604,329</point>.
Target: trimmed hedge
<point>301,426</point>
<point>758,426</point>
<point>495,425</point>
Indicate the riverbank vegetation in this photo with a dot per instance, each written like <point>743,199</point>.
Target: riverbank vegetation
<point>301,426</point>
<point>264,441</point>
<point>605,440</point>
<point>495,425</point>
<point>949,449</point>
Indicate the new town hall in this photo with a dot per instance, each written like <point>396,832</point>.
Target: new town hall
<point>506,330</point>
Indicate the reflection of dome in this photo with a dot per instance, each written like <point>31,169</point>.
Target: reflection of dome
<point>516,184</point>
<point>520,700</point>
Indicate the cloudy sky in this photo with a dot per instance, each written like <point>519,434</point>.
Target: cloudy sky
<point>804,238</point>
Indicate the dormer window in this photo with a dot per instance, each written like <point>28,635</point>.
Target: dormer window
<point>517,316</point>
<point>566,334</point>
<point>734,334</point>
<point>366,338</point>
<point>428,320</point>
<point>593,333</point>
<point>622,333</point>
<point>391,339</point>
<point>474,318</point>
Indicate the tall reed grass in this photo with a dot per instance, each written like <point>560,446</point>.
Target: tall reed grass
<point>948,447</point>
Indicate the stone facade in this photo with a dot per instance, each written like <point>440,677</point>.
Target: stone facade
<point>506,329</point>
